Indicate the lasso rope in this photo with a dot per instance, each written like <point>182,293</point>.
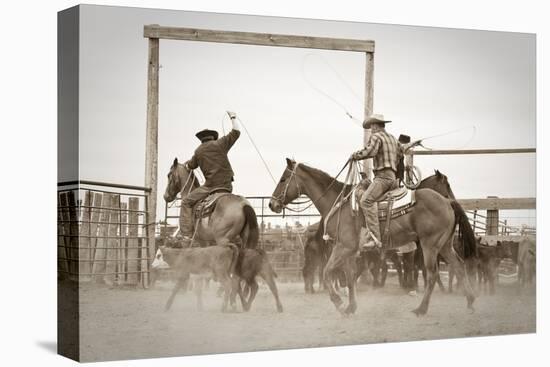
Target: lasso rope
<point>355,120</point>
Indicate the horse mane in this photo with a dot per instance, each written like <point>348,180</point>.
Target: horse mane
<point>325,179</point>
<point>192,177</point>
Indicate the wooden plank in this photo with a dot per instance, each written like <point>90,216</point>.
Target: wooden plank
<point>94,225</point>
<point>112,241</point>
<point>84,240</point>
<point>498,203</point>
<point>123,243</point>
<point>100,251</point>
<point>151,148</point>
<point>62,242</point>
<point>474,151</point>
<point>368,107</point>
<point>133,252</point>
<point>64,202</point>
<point>154,31</point>
<point>74,240</point>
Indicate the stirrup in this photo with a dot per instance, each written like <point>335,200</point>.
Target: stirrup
<point>373,242</point>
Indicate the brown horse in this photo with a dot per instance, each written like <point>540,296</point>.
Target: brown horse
<point>232,219</point>
<point>431,222</point>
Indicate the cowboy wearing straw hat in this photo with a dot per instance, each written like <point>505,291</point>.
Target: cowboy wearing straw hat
<point>385,151</point>
<point>211,158</point>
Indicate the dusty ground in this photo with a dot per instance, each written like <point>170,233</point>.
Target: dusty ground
<point>130,323</point>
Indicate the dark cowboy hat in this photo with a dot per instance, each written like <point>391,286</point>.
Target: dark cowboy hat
<point>404,139</point>
<point>374,119</point>
<point>207,133</point>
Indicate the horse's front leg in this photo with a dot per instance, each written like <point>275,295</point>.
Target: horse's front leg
<point>328,275</point>
<point>350,270</point>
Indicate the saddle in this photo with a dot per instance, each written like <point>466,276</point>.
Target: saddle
<point>386,212</point>
<point>206,206</point>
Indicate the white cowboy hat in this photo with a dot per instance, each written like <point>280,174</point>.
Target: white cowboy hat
<point>373,119</point>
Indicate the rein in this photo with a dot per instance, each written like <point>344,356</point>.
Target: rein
<point>311,202</point>
<point>191,178</point>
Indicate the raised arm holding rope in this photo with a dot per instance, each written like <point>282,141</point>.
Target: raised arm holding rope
<point>211,158</point>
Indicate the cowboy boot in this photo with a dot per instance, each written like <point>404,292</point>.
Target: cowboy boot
<point>186,225</point>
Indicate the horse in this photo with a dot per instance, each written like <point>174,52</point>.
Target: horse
<point>232,219</point>
<point>431,222</point>
<point>316,254</point>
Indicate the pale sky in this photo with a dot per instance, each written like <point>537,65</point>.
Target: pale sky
<point>427,80</point>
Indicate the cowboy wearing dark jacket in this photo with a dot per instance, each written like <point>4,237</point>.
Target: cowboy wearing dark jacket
<point>211,158</point>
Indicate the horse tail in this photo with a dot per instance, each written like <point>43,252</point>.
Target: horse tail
<point>250,226</point>
<point>465,232</point>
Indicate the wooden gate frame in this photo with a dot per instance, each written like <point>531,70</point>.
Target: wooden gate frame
<point>155,32</point>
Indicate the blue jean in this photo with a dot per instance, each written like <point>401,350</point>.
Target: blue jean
<point>384,181</point>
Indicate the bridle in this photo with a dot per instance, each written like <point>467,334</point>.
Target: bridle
<point>191,178</point>
<point>280,198</point>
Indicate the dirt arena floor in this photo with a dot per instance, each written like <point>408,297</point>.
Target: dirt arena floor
<point>130,323</point>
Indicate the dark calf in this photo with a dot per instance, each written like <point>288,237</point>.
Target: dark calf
<point>250,264</point>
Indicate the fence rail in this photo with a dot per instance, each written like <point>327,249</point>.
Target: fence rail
<point>103,233</point>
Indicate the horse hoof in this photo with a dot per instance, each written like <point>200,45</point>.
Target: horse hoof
<point>418,312</point>
<point>279,308</point>
<point>471,310</point>
<point>350,310</point>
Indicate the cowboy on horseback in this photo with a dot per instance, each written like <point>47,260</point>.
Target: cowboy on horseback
<point>386,152</point>
<point>211,158</point>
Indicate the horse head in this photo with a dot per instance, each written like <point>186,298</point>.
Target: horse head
<point>439,183</point>
<point>178,179</point>
<point>287,189</point>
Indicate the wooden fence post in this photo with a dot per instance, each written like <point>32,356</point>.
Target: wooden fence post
<point>133,221</point>
<point>492,221</point>
<point>62,241</point>
<point>101,243</point>
<point>94,225</point>
<point>369,91</point>
<point>151,146</point>
<point>122,267</point>
<point>112,251</point>
<point>84,240</point>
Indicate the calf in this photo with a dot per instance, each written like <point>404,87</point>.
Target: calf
<point>489,257</point>
<point>316,253</point>
<point>218,262</point>
<point>526,260</point>
<point>251,263</point>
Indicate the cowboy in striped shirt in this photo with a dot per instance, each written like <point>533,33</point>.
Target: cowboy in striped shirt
<point>385,151</point>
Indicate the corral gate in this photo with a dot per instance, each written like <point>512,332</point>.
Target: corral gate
<point>155,32</point>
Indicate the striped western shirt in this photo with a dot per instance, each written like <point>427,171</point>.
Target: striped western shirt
<point>384,149</point>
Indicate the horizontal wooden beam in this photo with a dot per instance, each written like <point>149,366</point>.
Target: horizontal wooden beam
<point>474,151</point>
<point>498,203</point>
<point>259,39</point>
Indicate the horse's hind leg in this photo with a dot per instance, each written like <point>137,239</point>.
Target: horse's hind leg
<point>431,273</point>
<point>452,259</point>
<point>430,248</point>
